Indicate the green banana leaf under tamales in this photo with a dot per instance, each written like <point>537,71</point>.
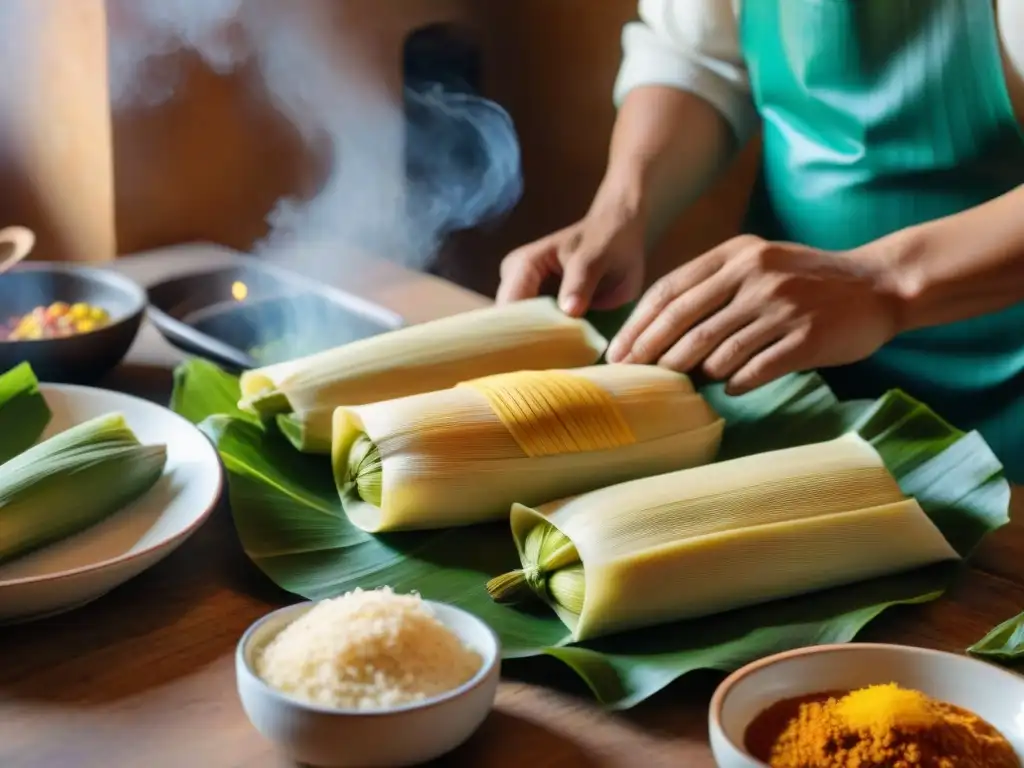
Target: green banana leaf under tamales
<point>291,524</point>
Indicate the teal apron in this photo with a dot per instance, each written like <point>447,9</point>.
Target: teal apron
<point>878,115</point>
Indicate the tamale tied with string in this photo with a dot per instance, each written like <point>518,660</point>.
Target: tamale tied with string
<point>463,455</point>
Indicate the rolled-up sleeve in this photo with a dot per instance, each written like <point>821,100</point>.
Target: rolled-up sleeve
<point>692,45</point>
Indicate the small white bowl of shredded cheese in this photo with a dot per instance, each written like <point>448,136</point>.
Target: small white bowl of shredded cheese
<point>372,679</point>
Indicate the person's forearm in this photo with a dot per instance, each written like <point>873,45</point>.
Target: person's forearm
<point>958,267</point>
<point>667,148</point>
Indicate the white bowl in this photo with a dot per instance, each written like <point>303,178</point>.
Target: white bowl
<point>401,736</point>
<point>991,692</point>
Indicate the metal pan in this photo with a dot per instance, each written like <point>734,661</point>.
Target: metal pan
<point>246,316</point>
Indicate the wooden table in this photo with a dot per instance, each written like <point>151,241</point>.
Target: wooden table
<point>144,677</point>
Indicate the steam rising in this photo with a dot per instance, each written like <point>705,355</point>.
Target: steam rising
<point>148,33</point>
<point>460,150</point>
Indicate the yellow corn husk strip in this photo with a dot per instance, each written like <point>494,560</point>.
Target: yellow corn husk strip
<point>553,412</point>
<point>72,481</point>
<point>439,354</point>
<point>718,537</point>
<point>449,458</point>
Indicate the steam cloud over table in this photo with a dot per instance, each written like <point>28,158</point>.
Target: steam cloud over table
<point>403,170</point>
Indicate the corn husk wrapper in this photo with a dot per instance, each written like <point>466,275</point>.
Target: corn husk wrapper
<point>72,481</point>
<point>718,537</point>
<point>303,393</point>
<point>458,456</point>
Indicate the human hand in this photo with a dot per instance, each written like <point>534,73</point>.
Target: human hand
<point>751,311</point>
<point>600,260</point>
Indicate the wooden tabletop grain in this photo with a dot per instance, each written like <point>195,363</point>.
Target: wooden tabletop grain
<point>144,677</point>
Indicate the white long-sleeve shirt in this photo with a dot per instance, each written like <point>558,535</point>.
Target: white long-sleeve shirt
<point>694,45</point>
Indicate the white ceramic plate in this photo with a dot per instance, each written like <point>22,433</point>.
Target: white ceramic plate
<point>86,566</point>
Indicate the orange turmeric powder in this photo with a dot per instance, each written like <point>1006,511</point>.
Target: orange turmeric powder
<point>885,726</point>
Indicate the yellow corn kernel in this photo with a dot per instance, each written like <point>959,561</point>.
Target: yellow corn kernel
<point>28,323</point>
<point>84,326</point>
<point>57,309</point>
<point>98,314</point>
<point>80,311</point>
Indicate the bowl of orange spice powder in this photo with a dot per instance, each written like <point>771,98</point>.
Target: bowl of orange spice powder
<point>864,705</point>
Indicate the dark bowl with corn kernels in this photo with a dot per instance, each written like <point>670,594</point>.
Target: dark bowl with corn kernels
<point>72,323</point>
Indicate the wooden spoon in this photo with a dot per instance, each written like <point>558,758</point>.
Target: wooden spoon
<point>15,244</point>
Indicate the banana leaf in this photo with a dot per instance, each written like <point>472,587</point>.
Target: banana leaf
<point>290,523</point>
<point>24,413</point>
<point>1004,644</point>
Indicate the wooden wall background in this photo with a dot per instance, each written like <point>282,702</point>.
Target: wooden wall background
<point>210,163</point>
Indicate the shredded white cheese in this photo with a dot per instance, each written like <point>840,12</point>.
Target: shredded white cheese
<point>367,650</point>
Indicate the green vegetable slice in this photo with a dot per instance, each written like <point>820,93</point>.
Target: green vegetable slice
<point>24,413</point>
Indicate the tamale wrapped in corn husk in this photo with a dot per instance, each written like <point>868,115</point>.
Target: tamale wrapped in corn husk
<point>303,393</point>
<point>463,455</point>
<point>718,537</point>
<point>72,481</point>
